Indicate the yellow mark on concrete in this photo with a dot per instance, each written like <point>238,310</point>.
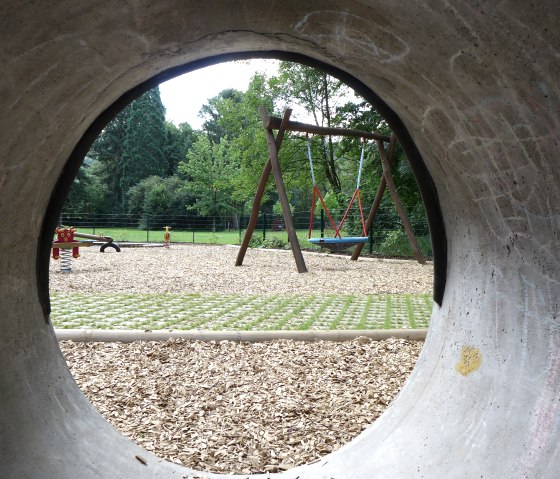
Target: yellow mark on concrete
<point>470,360</point>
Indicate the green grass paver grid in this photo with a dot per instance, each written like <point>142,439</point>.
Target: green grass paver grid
<point>234,312</point>
<point>239,319</point>
<point>300,304</point>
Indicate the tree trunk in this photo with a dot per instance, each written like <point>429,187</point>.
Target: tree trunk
<point>235,221</point>
<point>330,165</point>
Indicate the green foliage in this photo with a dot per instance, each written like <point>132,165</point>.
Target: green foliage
<point>277,208</point>
<point>396,244</point>
<point>274,242</point>
<point>234,116</point>
<point>255,241</point>
<point>107,150</point>
<point>143,153</point>
<point>216,124</point>
<point>179,140</point>
<point>156,196</point>
<point>144,165</point>
<point>425,243</point>
<point>136,144</point>
<point>332,201</point>
<point>88,193</point>
<point>209,171</point>
<point>319,95</point>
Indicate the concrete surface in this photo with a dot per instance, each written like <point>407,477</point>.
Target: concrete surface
<point>129,336</point>
<point>477,87</point>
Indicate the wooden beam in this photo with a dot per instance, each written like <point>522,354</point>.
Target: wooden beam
<point>398,204</point>
<point>273,123</point>
<point>260,191</point>
<point>378,197</point>
<point>282,195</point>
<point>72,244</point>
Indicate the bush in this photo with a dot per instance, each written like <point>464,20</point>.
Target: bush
<point>255,241</point>
<point>274,242</point>
<point>425,243</point>
<point>396,244</point>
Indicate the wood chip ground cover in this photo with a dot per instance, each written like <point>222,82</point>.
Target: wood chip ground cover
<point>211,269</point>
<point>241,408</point>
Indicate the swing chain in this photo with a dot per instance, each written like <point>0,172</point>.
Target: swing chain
<point>317,194</point>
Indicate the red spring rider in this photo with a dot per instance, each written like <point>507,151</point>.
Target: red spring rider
<point>65,235</point>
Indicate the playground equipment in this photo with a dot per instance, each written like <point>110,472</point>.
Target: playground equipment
<point>106,240</point>
<point>66,241</point>
<point>167,237</point>
<point>336,241</point>
<point>472,91</point>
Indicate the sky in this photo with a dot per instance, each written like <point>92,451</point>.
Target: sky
<point>184,96</point>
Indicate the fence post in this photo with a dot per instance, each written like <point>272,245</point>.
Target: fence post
<point>264,226</point>
<point>148,230</point>
<point>93,215</point>
<point>193,235</point>
<point>322,223</point>
<point>240,224</point>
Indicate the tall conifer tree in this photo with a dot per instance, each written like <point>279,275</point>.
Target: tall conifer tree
<point>145,140</point>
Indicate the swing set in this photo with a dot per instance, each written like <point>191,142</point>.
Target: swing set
<point>337,240</point>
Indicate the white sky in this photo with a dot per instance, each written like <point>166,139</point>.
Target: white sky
<point>184,96</point>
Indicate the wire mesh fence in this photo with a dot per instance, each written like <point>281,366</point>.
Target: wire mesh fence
<point>386,236</point>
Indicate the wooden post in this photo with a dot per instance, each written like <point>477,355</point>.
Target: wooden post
<point>399,206</point>
<point>282,195</point>
<point>378,198</point>
<point>260,192</point>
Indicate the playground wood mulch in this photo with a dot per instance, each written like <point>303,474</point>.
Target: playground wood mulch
<point>241,408</point>
<point>211,269</point>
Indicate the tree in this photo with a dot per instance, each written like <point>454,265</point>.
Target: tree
<point>158,197</point>
<point>179,140</point>
<point>209,172</point>
<point>360,115</point>
<point>88,192</point>
<point>235,124</point>
<point>319,94</point>
<point>145,140</point>
<point>133,146</point>
<point>107,151</point>
<point>215,124</point>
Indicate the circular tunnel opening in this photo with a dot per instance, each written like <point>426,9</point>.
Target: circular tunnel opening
<point>424,181</point>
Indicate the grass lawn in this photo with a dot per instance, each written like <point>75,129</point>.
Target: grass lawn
<point>202,237</point>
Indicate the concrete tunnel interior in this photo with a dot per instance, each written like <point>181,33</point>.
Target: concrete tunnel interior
<point>475,95</point>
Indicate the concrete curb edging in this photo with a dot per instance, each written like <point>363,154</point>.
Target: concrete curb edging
<point>128,336</point>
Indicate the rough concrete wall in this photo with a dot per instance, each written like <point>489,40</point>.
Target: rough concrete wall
<point>477,87</point>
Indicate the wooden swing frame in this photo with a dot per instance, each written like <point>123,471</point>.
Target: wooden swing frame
<point>273,165</point>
